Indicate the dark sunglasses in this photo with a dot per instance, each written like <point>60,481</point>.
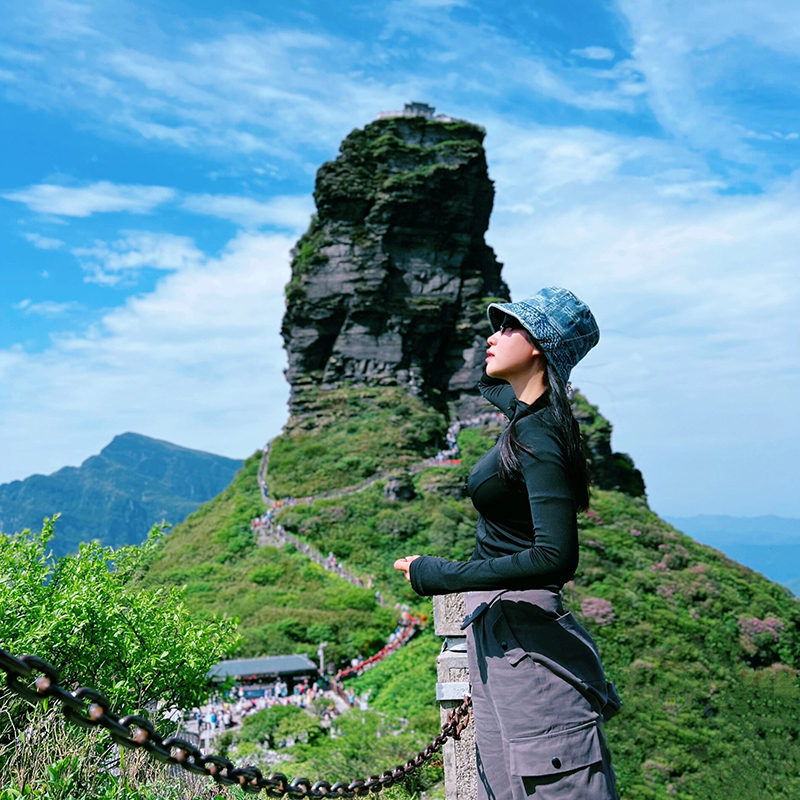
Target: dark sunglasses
<point>510,323</point>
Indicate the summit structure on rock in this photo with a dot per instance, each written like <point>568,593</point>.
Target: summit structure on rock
<point>419,110</point>
<point>391,280</point>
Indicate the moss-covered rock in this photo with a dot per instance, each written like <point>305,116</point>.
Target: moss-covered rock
<point>608,470</point>
<point>387,281</point>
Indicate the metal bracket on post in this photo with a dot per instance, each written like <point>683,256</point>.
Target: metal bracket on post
<point>452,672</point>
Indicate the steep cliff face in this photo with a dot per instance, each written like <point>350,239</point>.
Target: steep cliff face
<point>391,281</point>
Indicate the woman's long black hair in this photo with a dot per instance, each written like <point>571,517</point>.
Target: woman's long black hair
<point>509,444</point>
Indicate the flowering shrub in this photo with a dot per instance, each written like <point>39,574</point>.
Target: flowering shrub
<point>593,544</point>
<point>759,637</point>
<point>594,516</point>
<point>635,532</point>
<point>599,610</point>
<point>676,555</point>
<point>667,591</point>
<point>751,627</point>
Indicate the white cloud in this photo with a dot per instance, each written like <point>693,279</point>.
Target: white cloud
<point>543,80</point>
<point>67,20</point>
<point>43,242</point>
<point>83,201</point>
<point>291,212</point>
<point>197,361</point>
<point>692,53</point>
<point>280,92</point>
<point>109,263</point>
<point>594,53</point>
<point>494,63</point>
<point>48,308</point>
<point>534,164</point>
<point>448,4</point>
<point>265,90</point>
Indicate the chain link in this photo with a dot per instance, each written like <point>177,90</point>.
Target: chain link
<point>89,708</point>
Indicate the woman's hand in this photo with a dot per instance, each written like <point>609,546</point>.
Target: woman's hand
<point>403,565</point>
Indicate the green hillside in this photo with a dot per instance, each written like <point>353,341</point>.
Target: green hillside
<point>703,651</point>
<point>285,602</point>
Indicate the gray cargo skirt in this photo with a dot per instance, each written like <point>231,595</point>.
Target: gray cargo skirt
<point>539,699</point>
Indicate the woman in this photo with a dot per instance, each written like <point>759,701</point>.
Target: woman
<point>539,693</point>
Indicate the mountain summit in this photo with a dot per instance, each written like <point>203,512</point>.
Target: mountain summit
<point>118,495</point>
<point>391,280</point>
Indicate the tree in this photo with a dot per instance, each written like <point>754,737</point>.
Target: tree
<point>87,615</point>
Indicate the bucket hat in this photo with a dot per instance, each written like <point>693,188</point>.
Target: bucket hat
<point>561,323</point>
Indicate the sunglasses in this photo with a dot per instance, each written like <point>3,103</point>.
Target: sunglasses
<point>510,323</point>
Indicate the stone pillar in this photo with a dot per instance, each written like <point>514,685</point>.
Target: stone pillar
<point>452,672</point>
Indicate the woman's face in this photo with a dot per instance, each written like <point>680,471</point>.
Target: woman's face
<point>509,353</point>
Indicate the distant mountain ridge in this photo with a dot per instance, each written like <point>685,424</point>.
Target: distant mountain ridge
<point>721,528</point>
<point>118,495</point>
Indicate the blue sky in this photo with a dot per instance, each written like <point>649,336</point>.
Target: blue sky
<point>160,161</point>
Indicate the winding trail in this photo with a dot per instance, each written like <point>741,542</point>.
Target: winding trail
<point>277,536</point>
<point>270,533</point>
<point>447,457</point>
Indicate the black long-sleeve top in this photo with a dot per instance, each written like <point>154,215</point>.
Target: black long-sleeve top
<point>527,536</point>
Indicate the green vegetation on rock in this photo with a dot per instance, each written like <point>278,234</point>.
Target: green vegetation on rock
<point>607,469</point>
<point>704,652</point>
<point>404,686</point>
<point>284,602</point>
<point>346,435</point>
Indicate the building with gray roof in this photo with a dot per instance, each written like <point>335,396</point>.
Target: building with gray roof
<point>266,669</point>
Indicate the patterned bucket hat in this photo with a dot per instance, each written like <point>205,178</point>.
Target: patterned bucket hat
<point>559,321</point>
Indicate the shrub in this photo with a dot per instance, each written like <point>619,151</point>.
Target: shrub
<point>598,610</point>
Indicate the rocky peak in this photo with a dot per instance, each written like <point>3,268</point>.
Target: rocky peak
<point>391,280</point>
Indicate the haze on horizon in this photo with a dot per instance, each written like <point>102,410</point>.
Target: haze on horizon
<point>163,165</point>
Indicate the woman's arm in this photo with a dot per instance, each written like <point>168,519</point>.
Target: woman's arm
<point>498,392</point>
<point>552,557</point>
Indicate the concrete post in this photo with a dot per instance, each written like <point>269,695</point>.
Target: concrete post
<point>452,671</point>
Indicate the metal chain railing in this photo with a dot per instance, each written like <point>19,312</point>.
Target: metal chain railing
<point>88,708</point>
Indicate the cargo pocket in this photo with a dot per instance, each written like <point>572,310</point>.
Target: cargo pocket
<point>552,754</point>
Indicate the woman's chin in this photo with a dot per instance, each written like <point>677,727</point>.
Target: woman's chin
<point>491,370</point>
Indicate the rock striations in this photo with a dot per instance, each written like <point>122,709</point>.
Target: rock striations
<point>391,281</point>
